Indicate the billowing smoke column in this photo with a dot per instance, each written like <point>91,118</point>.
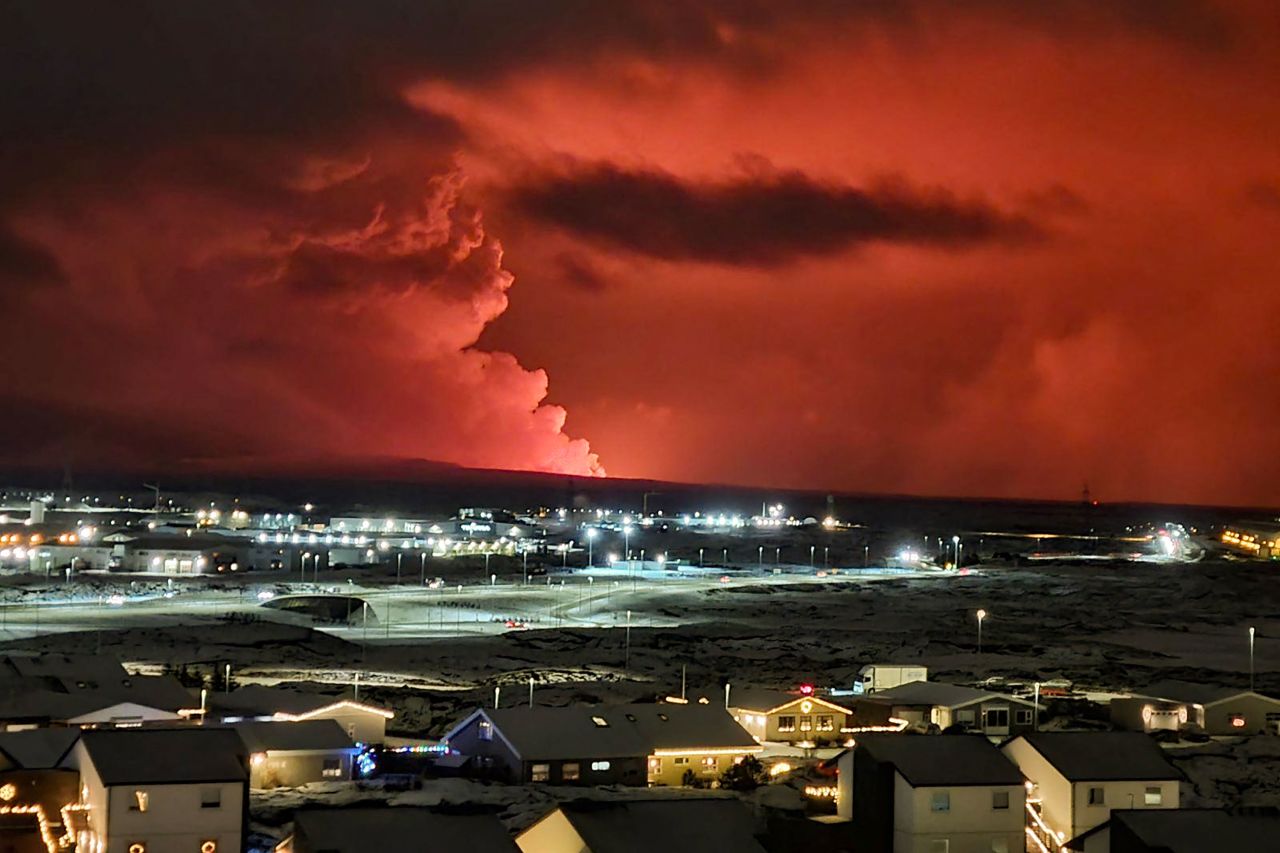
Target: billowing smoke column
<point>332,313</point>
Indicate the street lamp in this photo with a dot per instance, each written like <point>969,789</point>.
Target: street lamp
<point>760,558</point>
<point>1251,633</point>
<point>399,560</point>
<point>306,555</point>
<point>423,557</point>
<point>811,550</point>
<point>955,540</point>
<point>626,542</point>
<point>591,538</point>
<point>700,550</point>
<point>982,614</point>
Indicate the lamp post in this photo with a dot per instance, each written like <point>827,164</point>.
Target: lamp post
<point>626,659</point>
<point>315,567</point>
<point>955,540</point>
<point>591,538</point>
<point>700,550</point>
<point>760,558</point>
<point>423,558</point>
<point>811,550</point>
<point>1251,633</point>
<point>399,561</point>
<point>982,614</point>
<point>626,542</point>
<point>866,555</point>
<point>306,555</point>
<point>826,555</point>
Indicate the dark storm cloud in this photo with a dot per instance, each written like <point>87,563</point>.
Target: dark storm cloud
<point>771,218</point>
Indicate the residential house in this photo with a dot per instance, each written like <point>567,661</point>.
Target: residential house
<point>161,790</point>
<point>35,792</point>
<point>604,744</point>
<point>1180,831</point>
<point>1079,777</point>
<point>802,717</point>
<point>404,830</point>
<point>364,723</point>
<point>936,703</point>
<point>1215,710</point>
<point>932,794</point>
<point>84,690</point>
<point>288,754</point>
<point>671,826</point>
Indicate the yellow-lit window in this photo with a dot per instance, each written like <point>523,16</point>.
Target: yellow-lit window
<point>709,764</point>
<point>786,724</point>
<point>806,724</point>
<point>826,723</point>
<point>570,771</point>
<point>540,773</point>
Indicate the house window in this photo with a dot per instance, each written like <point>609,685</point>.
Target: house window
<point>965,717</point>
<point>210,798</point>
<point>786,724</point>
<point>540,773</point>
<point>1097,797</point>
<point>681,760</point>
<point>139,803</point>
<point>599,765</point>
<point>940,845</point>
<point>806,724</point>
<point>826,723</point>
<point>995,718</point>
<point>1237,720</point>
<point>600,722</point>
<point>709,764</point>
<point>999,799</point>
<point>941,801</point>
<point>655,765</point>
<point>486,730</point>
<point>332,768</point>
<point>1153,796</point>
<point>1022,717</point>
<point>570,771</point>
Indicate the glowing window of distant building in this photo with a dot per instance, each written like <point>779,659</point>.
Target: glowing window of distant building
<point>1153,796</point>
<point>540,773</point>
<point>600,722</point>
<point>826,723</point>
<point>601,765</point>
<point>786,724</point>
<point>486,730</point>
<point>806,724</point>
<point>709,762</point>
<point>571,771</point>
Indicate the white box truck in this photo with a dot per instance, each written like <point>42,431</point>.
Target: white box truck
<point>882,676</point>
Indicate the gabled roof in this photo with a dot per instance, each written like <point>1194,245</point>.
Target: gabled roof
<point>930,761</point>
<point>1198,694</point>
<point>1192,830</point>
<point>38,749</point>
<point>613,731</point>
<point>306,735</point>
<point>670,825</point>
<point>938,693</point>
<point>413,830</point>
<point>764,700</point>
<point>166,756</point>
<point>1103,756</point>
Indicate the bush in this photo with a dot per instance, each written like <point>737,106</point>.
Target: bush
<point>747,775</point>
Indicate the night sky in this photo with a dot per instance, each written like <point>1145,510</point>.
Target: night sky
<point>991,248</point>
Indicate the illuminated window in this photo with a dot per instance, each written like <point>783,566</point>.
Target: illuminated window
<point>1153,796</point>
<point>999,799</point>
<point>210,798</point>
<point>680,760</point>
<point>964,718</point>
<point>1237,720</point>
<point>332,768</point>
<point>941,801</point>
<point>540,773</point>
<point>826,723</point>
<point>709,764</point>
<point>655,764</point>
<point>139,803</point>
<point>570,771</point>
<point>806,724</point>
<point>486,730</point>
<point>1097,797</point>
<point>599,765</point>
<point>600,722</point>
<point>786,724</point>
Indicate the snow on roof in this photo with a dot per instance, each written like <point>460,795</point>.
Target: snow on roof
<point>304,735</point>
<point>1199,694</point>
<point>259,699</point>
<point>937,693</point>
<point>673,826</point>
<point>1103,756</point>
<point>928,761</point>
<point>357,830</point>
<point>166,756</point>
